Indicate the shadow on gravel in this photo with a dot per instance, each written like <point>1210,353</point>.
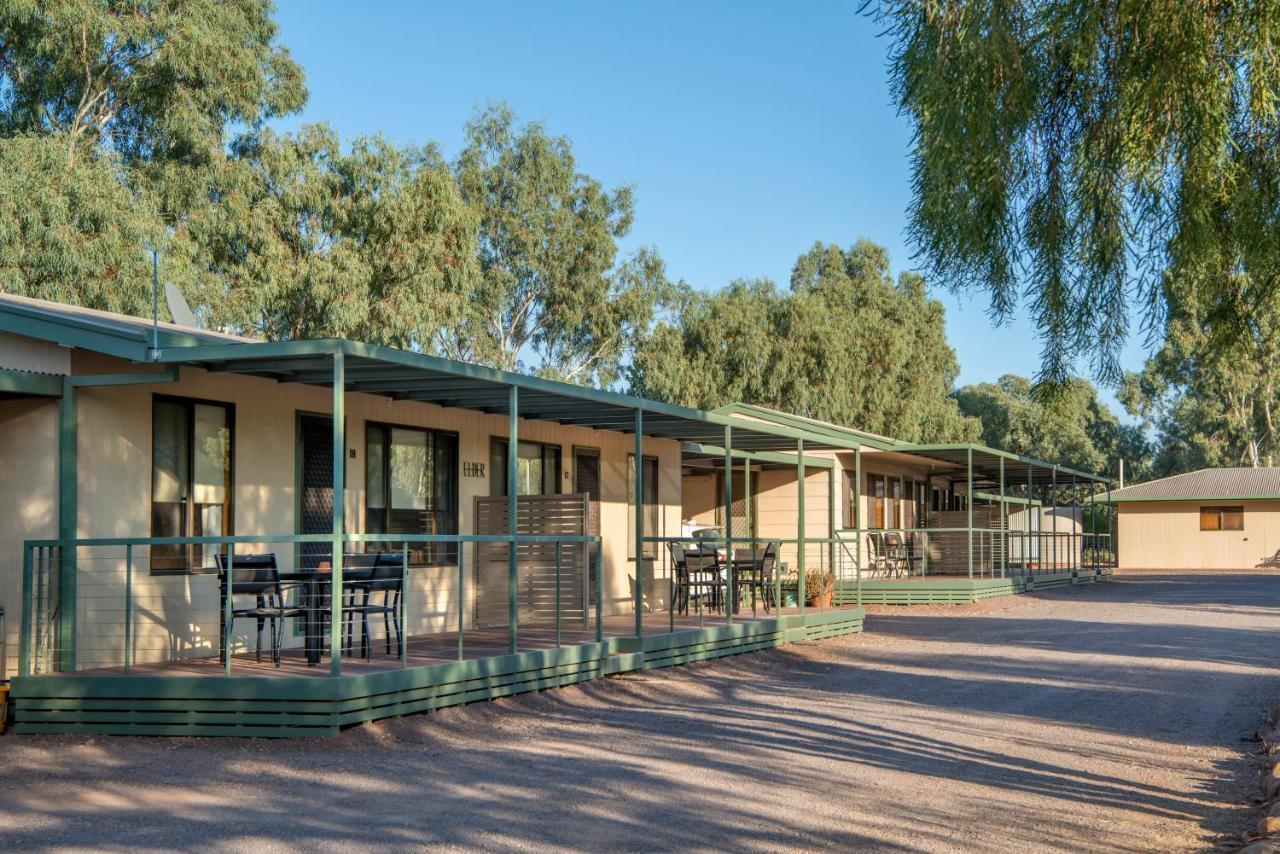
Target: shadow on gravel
<point>764,751</point>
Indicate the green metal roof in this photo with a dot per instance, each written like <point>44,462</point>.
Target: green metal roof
<point>99,331</point>
<point>399,374</point>
<point>403,375</point>
<point>986,465</point>
<point>848,437</point>
<point>1217,484</point>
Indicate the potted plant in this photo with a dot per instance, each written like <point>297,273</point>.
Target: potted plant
<point>819,589</point>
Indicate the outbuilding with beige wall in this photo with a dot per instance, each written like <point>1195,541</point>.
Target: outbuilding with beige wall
<point>1219,518</point>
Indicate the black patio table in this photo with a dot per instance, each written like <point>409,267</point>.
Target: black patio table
<point>313,585</point>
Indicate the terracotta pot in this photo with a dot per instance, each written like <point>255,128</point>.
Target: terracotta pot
<point>822,601</point>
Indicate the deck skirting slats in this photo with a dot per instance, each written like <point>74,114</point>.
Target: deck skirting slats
<point>283,707</point>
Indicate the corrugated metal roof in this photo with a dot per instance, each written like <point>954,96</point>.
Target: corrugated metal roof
<point>1206,484</point>
<point>121,335</point>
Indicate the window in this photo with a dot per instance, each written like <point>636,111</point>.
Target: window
<point>411,487</point>
<point>537,468</point>
<point>1222,518</point>
<point>650,489</point>
<point>882,504</point>
<point>191,450</point>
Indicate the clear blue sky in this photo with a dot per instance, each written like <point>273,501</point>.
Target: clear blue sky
<point>749,130</point>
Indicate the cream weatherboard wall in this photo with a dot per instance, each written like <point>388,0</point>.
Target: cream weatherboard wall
<point>1167,535</point>
<point>28,500</point>
<point>176,615</point>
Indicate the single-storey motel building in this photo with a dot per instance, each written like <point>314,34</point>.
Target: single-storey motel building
<point>1216,518</point>
<point>404,532</point>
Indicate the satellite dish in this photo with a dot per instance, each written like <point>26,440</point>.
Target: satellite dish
<point>178,308</point>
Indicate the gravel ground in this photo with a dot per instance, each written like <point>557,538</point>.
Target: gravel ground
<point>1104,718</point>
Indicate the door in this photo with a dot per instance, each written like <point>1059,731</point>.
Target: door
<point>586,479</point>
<point>741,526</point>
<point>315,486</point>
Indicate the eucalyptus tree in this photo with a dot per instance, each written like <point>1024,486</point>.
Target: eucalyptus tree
<point>551,295</point>
<point>1071,153</point>
<point>847,344</point>
<point>1071,426</point>
<point>114,118</point>
<point>1212,390</point>
<point>304,239</point>
<point>73,232</point>
<point>151,80</point>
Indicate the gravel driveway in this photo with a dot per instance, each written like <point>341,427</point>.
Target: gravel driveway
<point>1106,717</point>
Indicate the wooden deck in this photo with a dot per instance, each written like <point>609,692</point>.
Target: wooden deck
<point>957,590</point>
<point>194,698</point>
<point>439,648</point>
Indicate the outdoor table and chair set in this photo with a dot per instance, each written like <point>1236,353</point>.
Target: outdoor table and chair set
<point>372,584</point>
<point>701,576</point>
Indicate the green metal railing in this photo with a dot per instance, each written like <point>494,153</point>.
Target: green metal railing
<point>797,563</point>
<point>972,552</point>
<point>115,596</point>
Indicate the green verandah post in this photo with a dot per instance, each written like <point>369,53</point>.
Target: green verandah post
<point>404,590</point>
<point>128,608</point>
<point>1004,525</point>
<point>68,514</point>
<point>831,518</point>
<point>1026,547</point>
<point>639,519</point>
<point>1053,513</point>
<point>1072,554</point>
<point>28,593</point>
<point>857,518</point>
<point>728,523</point>
<point>462,596</point>
<point>513,452</point>
<point>339,510</point>
<point>801,587</point>
<point>229,574</point>
<point>1113,548</point>
<point>746,519</point>
<point>968,502</point>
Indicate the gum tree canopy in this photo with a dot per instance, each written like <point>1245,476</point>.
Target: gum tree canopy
<point>1082,155</point>
<point>848,344</point>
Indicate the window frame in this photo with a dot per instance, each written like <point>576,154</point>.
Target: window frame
<point>188,511</point>
<point>502,471</point>
<point>631,505</point>
<point>1221,513</point>
<point>432,554</point>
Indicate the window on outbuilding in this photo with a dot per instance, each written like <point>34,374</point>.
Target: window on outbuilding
<point>1222,518</point>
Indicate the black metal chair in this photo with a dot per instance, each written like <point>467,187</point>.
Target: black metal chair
<point>753,571</point>
<point>704,572</point>
<point>876,554</point>
<point>386,577</point>
<point>259,577</point>
<point>680,578</point>
<point>895,552</point>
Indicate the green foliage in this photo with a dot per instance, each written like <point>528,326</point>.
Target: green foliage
<point>73,233</point>
<point>847,344</point>
<point>1077,151</point>
<point>1071,426</point>
<point>548,287</point>
<point>304,240</point>
<point>1210,391</point>
<point>151,80</point>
